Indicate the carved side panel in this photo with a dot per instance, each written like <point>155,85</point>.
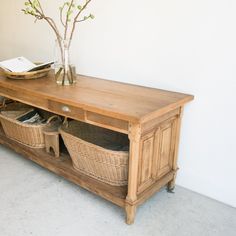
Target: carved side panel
<point>156,153</point>
<point>146,161</point>
<point>165,155</point>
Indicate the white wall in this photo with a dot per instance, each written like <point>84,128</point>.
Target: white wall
<point>183,45</point>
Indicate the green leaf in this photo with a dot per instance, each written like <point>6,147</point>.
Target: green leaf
<point>69,13</point>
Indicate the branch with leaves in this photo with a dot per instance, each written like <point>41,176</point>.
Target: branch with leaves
<point>70,14</point>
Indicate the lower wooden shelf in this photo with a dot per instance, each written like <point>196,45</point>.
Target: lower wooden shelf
<point>64,168</point>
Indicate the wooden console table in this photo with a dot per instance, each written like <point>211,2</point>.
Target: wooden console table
<point>150,117</point>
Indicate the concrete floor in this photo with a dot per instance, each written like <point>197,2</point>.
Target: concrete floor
<point>34,201</point>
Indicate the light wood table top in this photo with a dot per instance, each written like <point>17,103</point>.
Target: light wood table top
<point>119,100</point>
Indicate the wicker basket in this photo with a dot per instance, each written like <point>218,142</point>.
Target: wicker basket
<point>28,134</point>
<point>28,75</point>
<point>97,152</point>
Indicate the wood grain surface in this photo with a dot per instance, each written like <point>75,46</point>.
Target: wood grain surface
<point>114,99</point>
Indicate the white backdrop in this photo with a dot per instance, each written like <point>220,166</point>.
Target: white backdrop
<point>182,45</point>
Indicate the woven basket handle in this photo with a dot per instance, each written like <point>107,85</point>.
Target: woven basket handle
<point>65,122</point>
<point>4,103</point>
<point>52,118</point>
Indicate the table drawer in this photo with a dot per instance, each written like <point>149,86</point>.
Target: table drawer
<point>66,110</point>
<point>107,122</point>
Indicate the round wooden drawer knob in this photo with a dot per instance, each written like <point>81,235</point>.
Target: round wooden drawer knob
<point>66,109</point>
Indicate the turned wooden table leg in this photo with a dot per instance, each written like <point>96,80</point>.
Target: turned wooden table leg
<point>171,184</point>
<point>130,207</point>
<point>130,213</point>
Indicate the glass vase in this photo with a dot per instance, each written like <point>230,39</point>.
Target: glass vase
<point>65,72</point>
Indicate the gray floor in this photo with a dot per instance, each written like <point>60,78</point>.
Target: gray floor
<point>34,201</point>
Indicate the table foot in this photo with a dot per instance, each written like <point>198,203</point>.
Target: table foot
<point>171,186</point>
<point>170,190</point>
<point>130,214</point>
